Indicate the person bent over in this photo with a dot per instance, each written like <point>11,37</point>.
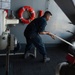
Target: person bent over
<point>32,34</point>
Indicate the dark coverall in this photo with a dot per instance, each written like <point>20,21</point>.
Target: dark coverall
<point>32,36</point>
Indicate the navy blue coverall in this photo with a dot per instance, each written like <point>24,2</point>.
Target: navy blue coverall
<point>32,36</point>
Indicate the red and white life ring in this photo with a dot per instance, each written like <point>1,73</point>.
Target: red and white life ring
<point>41,13</point>
<point>6,13</point>
<point>30,10</point>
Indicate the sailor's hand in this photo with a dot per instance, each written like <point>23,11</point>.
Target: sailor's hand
<point>52,36</point>
<point>48,33</point>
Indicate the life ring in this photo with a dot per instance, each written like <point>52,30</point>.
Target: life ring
<point>6,13</point>
<point>41,13</point>
<point>30,10</point>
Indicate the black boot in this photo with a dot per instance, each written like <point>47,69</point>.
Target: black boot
<point>46,59</point>
<point>29,53</point>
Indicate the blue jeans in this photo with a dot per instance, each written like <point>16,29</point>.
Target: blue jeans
<point>37,42</point>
